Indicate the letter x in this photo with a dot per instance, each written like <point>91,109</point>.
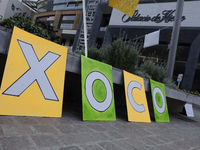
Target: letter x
<point>35,73</point>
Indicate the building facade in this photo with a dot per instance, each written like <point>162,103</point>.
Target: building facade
<point>64,15</point>
<point>9,8</point>
<point>149,16</point>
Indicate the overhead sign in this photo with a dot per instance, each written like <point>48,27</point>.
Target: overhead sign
<point>151,39</point>
<point>97,90</point>
<point>136,102</point>
<point>162,14</point>
<point>126,6</point>
<point>33,79</point>
<point>159,101</point>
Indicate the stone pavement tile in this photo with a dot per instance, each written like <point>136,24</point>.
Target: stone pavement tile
<point>76,138</point>
<point>124,145</point>
<point>160,147</point>
<point>100,136</point>
<point>1,147</point>
<point>16,130</point>
<point>82,128</point>
<point>193,142</point>
<point>6,120</point>
<point>114,135</point>
<point>155,139</point>
<point>196,148</point>
<point>108,125</point>
<point>171,137</point>
<point>1,132</point>
<point>70,148</point>
<point>45,141</point>
<point>126,133</point>
<point>16,143</point>
<point>64,120</point>
<point>137,143</point>
<point>163,138</point>
<point>185,125</point>
<point>109,146</point>
<point>26,120</point>
<point>157,131</point>
<point>46,120</point>
<point>97,128</point>
<point>66,128</point>
<point>45,129</point>
<point>179,145</point>
<point>91,147</point>
<point>138,125</point>
<point>141,133</point>
<point>148,142</point>
<point>119,126</point>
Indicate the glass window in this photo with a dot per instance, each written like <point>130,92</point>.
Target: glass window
<point>67,22</point>
<point>66,26</point>
<point>71,5</point>
<point>69,17</point>
<point>50,19</point>
<point>24,14</point>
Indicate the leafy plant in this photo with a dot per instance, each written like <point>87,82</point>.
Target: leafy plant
<point>26,25</point>
<point>170,83</point>
<point>122,55</point>
<point>94,53</point>
<point>142,74</point>
<point>156,72</point>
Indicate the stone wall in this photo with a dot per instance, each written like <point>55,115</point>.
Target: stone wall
<point>5,36</point>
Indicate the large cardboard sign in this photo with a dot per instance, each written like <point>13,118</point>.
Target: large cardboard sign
<point>159,101</point>
<point>33,79</point>
<point>137,108</point>
<point>97,90</point>
<point>126,6</point>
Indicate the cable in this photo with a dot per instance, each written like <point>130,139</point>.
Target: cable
<point>151,32</point>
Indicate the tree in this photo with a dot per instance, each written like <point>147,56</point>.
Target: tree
<point>50,29</point>
<point>26,25</point>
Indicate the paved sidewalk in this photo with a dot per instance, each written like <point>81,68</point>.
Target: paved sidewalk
<point>71,133</point>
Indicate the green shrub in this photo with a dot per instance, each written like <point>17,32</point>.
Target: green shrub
<point>24,24</point>
<point>156,72</point>
<point>95,53</point>
<point>142,74</point>
<point>122,55</point>
<point>170,83</point>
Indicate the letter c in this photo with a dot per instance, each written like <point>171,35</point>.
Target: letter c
<point>131,86</point>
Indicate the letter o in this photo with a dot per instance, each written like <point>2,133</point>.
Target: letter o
<point>159,109</point>
<point>91,78</point>
<point>131,86</point>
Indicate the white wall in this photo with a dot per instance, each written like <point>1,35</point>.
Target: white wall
<point>3,6</point>
<point>6,11</point>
